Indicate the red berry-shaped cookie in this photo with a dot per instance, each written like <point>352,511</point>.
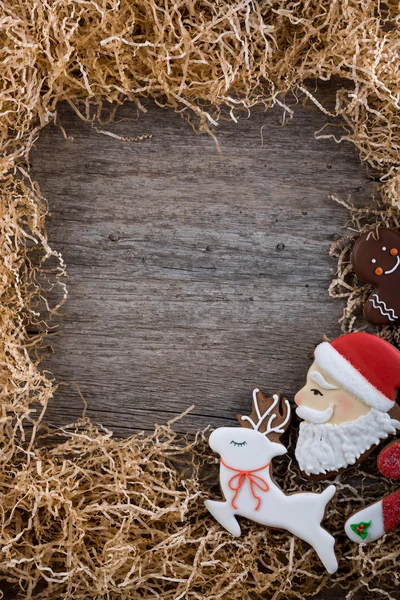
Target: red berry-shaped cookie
<point>389,461</point>
<point>376,260</point>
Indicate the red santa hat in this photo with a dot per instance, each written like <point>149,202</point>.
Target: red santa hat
<point>366,366</point>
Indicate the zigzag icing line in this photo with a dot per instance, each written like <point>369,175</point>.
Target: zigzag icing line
<point>378,304</point>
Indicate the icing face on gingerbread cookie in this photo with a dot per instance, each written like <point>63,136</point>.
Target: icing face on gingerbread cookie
<point>376,260</point>
<point>246,480</point>
<point>350,389</point>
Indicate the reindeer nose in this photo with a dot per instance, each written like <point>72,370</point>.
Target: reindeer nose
<point>394,251</point>
<point>378,271</point>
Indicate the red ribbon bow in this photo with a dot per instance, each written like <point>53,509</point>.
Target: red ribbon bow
<point>254,481</point>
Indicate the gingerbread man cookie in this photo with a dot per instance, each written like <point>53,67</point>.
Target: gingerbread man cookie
<point>249,489</point>
<point>372,522</point>
<point>376,260</point>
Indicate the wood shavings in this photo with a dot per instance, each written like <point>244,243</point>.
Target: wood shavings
<point>94,517</point>
<point>98,518</point>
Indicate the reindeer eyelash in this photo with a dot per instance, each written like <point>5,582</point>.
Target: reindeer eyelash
<point>238,443</point>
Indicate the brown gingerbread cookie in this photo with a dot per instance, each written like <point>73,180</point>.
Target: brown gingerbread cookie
<point>376,260</point>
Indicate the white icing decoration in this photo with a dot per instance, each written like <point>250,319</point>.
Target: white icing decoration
<point>384,248</point>
<point>328,447</point>
<point>247,468</point>
<point>261,417</point>
<point>395,266</point>
<point>373,260</point>
<point>320,380</point>
<point>373,513</point>
<point>383,309</point>
<point>314,416</point>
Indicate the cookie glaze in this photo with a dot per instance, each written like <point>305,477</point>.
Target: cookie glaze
<point>373,521</point>
<point>389,461</point>
<point>249,489</point>
<point>348,403</point>
<point>376,260</point>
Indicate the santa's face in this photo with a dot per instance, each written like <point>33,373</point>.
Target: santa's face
<point>322,400</point>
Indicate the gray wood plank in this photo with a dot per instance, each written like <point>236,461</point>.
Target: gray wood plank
<point>193,275</point>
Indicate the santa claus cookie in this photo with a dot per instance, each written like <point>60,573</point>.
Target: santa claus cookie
<point>348,403</point>
<point>372,522</point>
<point>375,259</point>
<point>248,487</point>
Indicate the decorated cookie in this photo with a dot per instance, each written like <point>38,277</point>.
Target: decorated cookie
<point>348,403</point>
<point>389,461</point>
<point>373,521</point>
<point>375,259</point>
<point>249,489</point>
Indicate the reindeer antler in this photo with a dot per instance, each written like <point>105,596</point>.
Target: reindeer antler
<point>270,415</point>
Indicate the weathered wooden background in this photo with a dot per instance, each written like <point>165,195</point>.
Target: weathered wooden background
<point>193,275</point>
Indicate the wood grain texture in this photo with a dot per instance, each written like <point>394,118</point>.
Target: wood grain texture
<point>193,275</point>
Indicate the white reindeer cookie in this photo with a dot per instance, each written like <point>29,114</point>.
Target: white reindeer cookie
<point>247,483</point>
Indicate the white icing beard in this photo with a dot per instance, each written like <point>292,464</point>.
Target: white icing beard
<point>327,447</point>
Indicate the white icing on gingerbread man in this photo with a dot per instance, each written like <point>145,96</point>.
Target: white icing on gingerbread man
<point>249,490</point>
